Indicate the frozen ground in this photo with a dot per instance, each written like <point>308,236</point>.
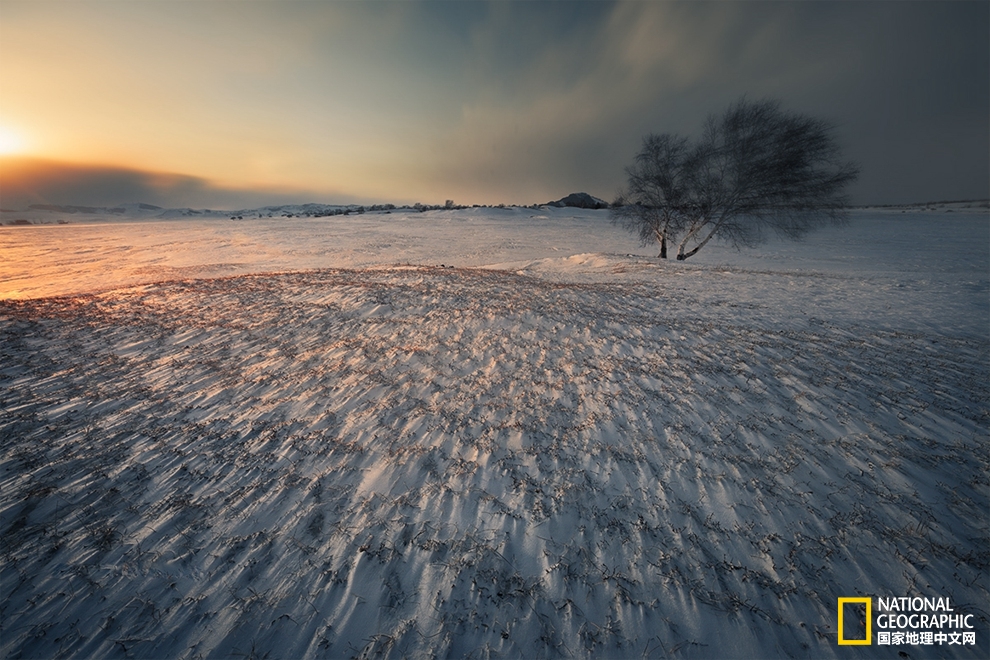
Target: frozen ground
<point>559,447</point>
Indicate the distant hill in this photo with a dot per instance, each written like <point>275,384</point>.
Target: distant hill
<point>55,208</point>
<point>580,200</point>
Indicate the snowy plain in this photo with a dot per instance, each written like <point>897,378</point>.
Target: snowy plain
<point>485,433</point>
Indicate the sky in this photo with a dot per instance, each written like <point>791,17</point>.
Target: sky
<point>229,104</point>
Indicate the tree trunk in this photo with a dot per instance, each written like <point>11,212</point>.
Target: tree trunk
<point>662,237</point>
<point>681,255</point>
<point>695,227</point>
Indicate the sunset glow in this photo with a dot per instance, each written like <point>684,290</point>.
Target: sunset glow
<point>11,142</point>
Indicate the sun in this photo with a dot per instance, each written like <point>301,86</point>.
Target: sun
<point>11,142</point>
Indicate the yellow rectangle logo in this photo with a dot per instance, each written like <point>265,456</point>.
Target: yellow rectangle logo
<point>869,622</point>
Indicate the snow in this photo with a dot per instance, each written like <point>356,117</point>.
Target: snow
<point>110,252</point>
<point>485,432</point>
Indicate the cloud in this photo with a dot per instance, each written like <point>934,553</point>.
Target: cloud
<point>511,102</point>
<point>26,181</point>
<point>573,114</point>
<point>906,87</point>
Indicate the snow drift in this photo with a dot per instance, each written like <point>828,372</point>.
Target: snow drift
<point>591,456</point>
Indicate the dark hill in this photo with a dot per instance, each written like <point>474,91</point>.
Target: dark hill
<point>580,200</point>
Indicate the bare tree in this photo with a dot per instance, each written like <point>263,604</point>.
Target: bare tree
<point>659,185</point>
<point>755,168</point>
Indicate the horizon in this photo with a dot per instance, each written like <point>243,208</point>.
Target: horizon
<point>70,206</point>
<point>195,105</point>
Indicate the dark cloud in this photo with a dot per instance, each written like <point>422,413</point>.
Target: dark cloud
<point>26,181</point>
<point>907,86</point>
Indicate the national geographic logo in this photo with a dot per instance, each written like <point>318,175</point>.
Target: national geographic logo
<point>867,618</point>
<point>912,621</point>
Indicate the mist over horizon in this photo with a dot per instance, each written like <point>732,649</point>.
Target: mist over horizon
<point>27,181</point>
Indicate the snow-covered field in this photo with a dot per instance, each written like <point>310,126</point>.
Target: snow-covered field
<point>303,437</point>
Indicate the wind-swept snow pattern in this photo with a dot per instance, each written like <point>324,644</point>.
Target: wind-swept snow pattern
<point>413,461</point>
